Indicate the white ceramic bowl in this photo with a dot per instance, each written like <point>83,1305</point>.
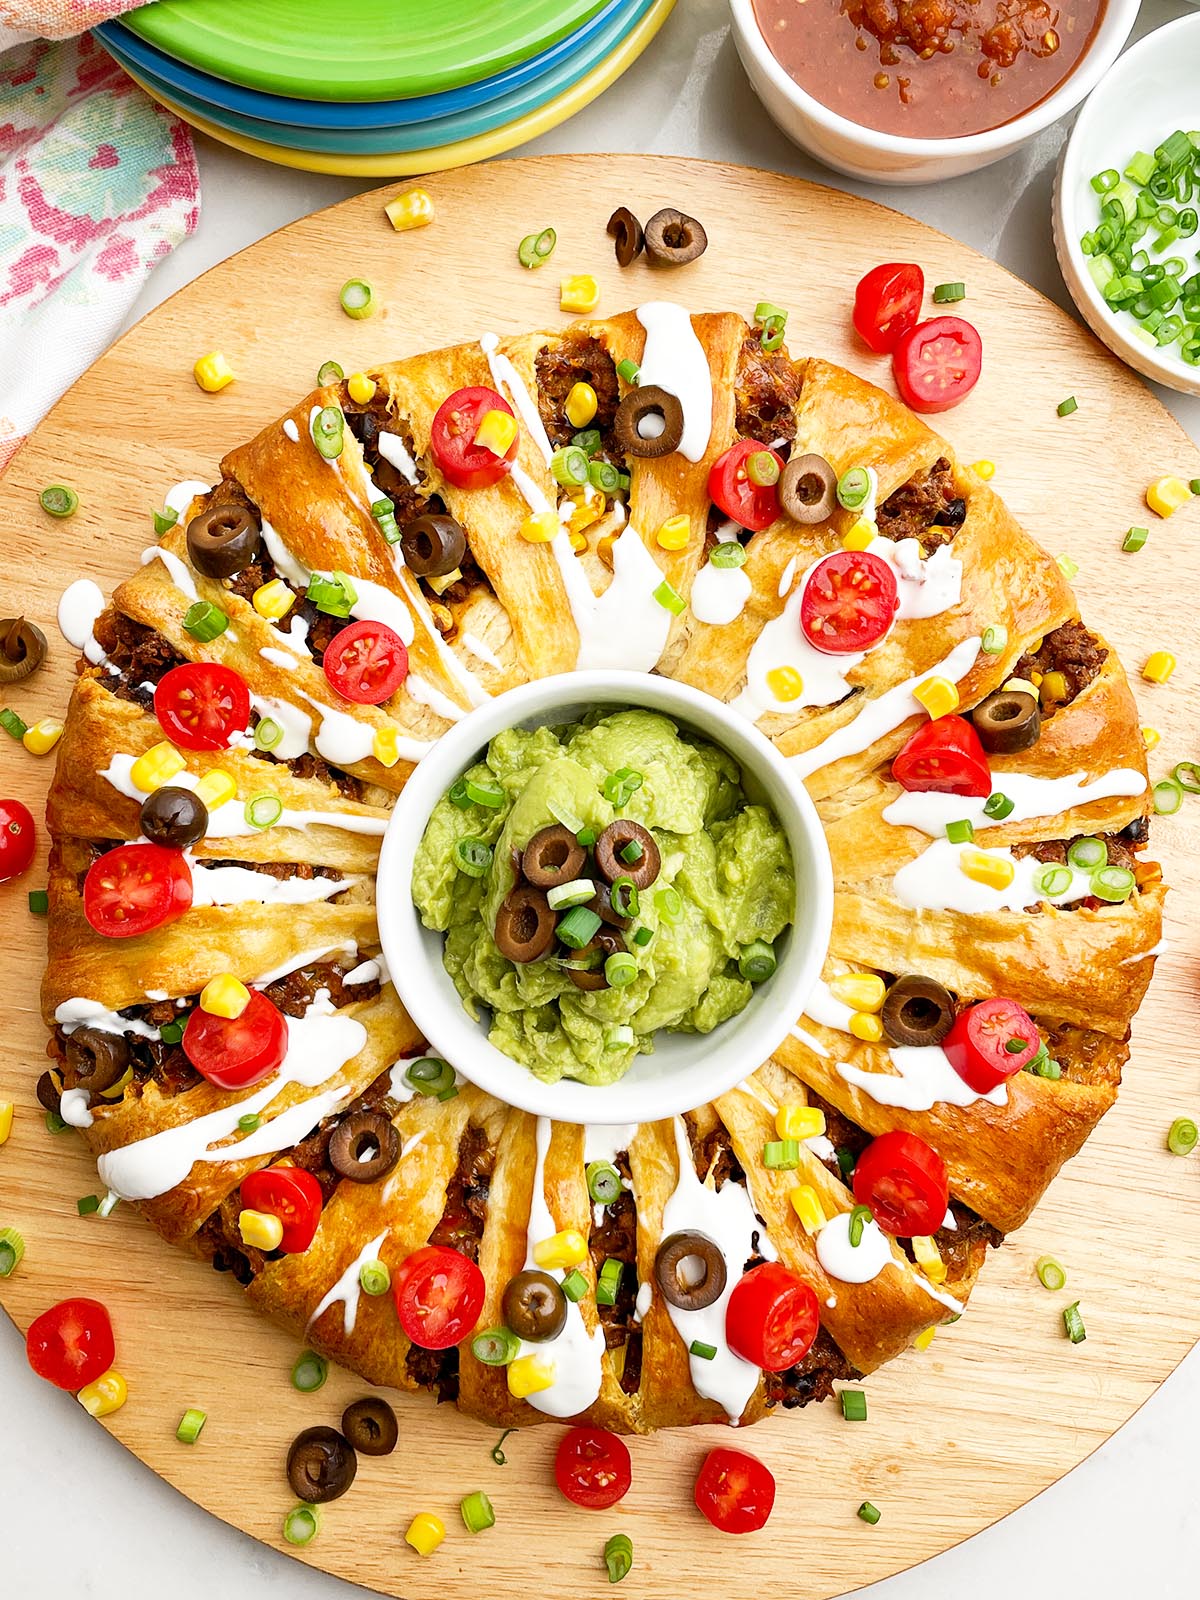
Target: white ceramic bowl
<point>888,157</point>
<point>1151,91</point>
<point>685,1069</point>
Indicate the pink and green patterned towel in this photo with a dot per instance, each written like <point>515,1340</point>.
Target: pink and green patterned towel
<point>22,20</point>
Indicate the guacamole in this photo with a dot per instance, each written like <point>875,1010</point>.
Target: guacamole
<point>683,951</point>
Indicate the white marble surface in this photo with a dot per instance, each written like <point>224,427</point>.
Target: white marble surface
<point>84,1518</point>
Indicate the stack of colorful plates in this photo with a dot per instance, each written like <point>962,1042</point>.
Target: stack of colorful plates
<point>373,88</point>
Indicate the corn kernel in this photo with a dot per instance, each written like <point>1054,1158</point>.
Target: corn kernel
<point>785,683</point>
<point>261,1230</point>
<point>413,209</point>
<point>212,372</point>
<point>273,600</point>
<point>530,1375</point>
<point>860,535</point>
<point>541,527</point>
<point>1150,737</point>
<point>984,469</point>
<point>362,389</point>
<point>996,872</point>
<point>861,991</point>
<point>1021,686</point>
<point>216,788</point>
<point>586,511</point>
<point>580,293</point>
<point>938,695</point>
<point>579,543</point>
<point>105,1395</point>
<point>496,431</point>
<point>6,1120</point>
<point>425,1533</point>
<point>116,1091</point>
<point>385,746</point>
<point>675,533</point>
<point>924,1340</point>
<point>798,1121</point>
<point>1035,679</point>
<point>41,738</point>
<point>1166,495</point>
<point>929,1258</point>
<point>1160,664</point>
<point>807,1206</point>
<point>582,405</point>
<point>1053,688</point>
<point>566,1249</point>
<point>159,765</point>
<point>224,996</point>
<point>867,1027</point>
<point>605,549</point>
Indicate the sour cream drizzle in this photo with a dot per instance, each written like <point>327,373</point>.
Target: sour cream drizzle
<point>176,569</point>
<point>935,881</point>
<point>292,431</point>
<point>79,1012</point>
<point>506,376</point>
<point>180,498</point>
<point>347,1289</point>
<point>79,609</point>
<point>231,886</point>
<point>851,1263</point>
<point>625,626</point>
<point>674,359</point>
<point>1031,797</point>
<point>394,451</point>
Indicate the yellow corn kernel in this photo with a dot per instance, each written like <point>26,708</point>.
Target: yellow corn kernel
<point>273,600</point>
<point>938,695</point>
<point>425,1533</point>
<point>212,372</point>
<point>105,1395</point>
<point>807,1206</point>
<point>541,527</point>
<point>116,1091</point>
<point>586,510</point>
<point>496,431</point>
<point>413,209</point>
<point>924,1340</point>
<point>1150,737</point>
<point>580,293</point>
<point>566,1249</point>
<point>6,1120</point>
<point>785,683</point>
<point>859,535</point>
<point>159,765</point>
<point>385,746</point>
<point>996,872</point>
<point>530,1375</point>
<point>261,1230</point>
<point>867,1027</point>
<point>1166,495</point>
<point>216,788</point>
<point>1021,686</point>
<point>581,405</point>
<point>1053,687</point>
<point>861,991</point>
<point>224,996</point>
<point>41,738</point>
<point>1036,678</point>
<point>675,532</point>
<point>579,543</point>
<point>362,389</point>
<point>798,1121</point>
<point>605,549</point>
<point>929,1258</point>
<point>984,469</point>
<point>1160,664</point>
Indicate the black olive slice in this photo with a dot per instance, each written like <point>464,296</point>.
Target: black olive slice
<point>1007,721</point>
<point>174,817</point>
<point>553,856</point>
<point>94,1060</point>
<point>606,942</point>
<point>690,1271</point>
<point>673,238</point>
<point>49,1092</point>
<point>625,228</point>
<point>952,515</point>
<point>917,1011</point>
<point>364,1147</point>
<point>223,540</point>
<point>601,904</point>
<point>321,1465</point>
<point>611,864</point>
<point>632,414</point>
<point>534,1306</point>
<point>433,545</point>
<point>370,1426</point>
<point>808,489</point>
<point>525,925</point>
<point>22,649</point>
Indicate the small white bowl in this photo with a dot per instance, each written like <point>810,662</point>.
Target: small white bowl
<point>1150,92</point>
<point>891,158</point>
<point>685,1069</point>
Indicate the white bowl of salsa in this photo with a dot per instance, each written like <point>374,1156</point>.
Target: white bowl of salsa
<point>873,107</point>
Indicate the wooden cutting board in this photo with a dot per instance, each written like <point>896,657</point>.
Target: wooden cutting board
<point>1001,1405</point>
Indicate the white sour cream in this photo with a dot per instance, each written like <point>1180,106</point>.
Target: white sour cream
<point>391,447</point>
<point>1031,797</point>
<point>506,376</point>
<point>79,609</point>
<point>624,627</point>
<point>73,1108</point>
<point>674,360</point>
<point>935,881</point>
<point>177,569</point>
<point>924,1078</point>
<point>851,1263</point>
<point>347,1289</point>
<point>719,594</point>
<point>233,886</point>
<point>79,1012</point>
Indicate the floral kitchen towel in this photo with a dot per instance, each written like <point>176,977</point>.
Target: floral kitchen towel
<point>97,185</point>
<point>21,20</point>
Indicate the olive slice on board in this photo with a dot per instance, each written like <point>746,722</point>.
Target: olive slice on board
<point>174,817</point>
<point>606,942</point>
<point>1007,721</point>
<point>525,925</point>
<point>553,856</point>
<point>673,238</point>
<point>649,422</point>
<point>534,1306</point>
<point>22,649</point>
<point>917,1011</point>
<point>625,228</point>
<point>94,1060</point>
<point>433,545</point>
<point>321,1465</point>
<point>224,540</point>
<point>808,489</point>
<point>690,1271</point>
<point>370,1426</point>
<point>611,864</point>
<point>364,1147</point>
<point>49,1092</point>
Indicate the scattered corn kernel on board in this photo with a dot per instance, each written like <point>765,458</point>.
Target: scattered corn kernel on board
<point>1002,1404</point>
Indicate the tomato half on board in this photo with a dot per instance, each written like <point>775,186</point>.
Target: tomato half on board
<point>849,602</point>
<point>992,1041</point>
<point>772,1318</point>
<point>887,303</point>
<point>292,1195</point>
<point>136,887</point>
<point>439,1294</point>
<point>202,704</point>
<point>71,1345</point>
<point>731,490</point>
<point>18,837</point>
<point>937,363</point>
<point>735,1491</point>
<point>592,1468</point>
<point>366,662</point>
<point>237,1052</point>
<point>463,463</point>
<point>903,1181</point>
<point>946,757</point>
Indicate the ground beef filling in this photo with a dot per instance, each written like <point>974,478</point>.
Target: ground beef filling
<point>810,1379</point>
<point>1085,1055</point>
<point>576,358</point>
<point>141,655</point>
<point>1071,650</point>
<point>767,387</point>
<point>928,508</point>
<point>1122,849</point>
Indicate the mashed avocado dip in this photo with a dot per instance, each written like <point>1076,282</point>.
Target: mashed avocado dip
<point>665,921</point>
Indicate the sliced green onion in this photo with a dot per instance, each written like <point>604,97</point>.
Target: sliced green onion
<point>191,1425</point>
<point>762,469</point>
<point>604,1182</point>
<point>576,893</point>
<point>164,521</point>
<point>1181,1138</point>
<point>628,370</point>
<point>570,467</point>
<point>588,440</point>
<point>536,248</point>
<point>726,554</point>
<point>781,1155</point>
<point>1052,879</point>
<point>429,1075</point>
<point>302,1524</point>
<point>705,1352</point>
<point>490,795</point>
<point>171,1032</point>
<point>632,852</point>
<point>88,1205</point>
<point>264,810</point>
<point>328,432</point>
<point>1104,181</point>
<point>477,1513</point>
<point>853,488</point>
<point>586,837</point>
<point>565,815</point>
<point>604,476</point>
<point>1050,1274</point>
<point>39,902</point>
<point>670,599</point>
<point>845,1160</point>
<point>496,1347</point>
<point>357,298</point>
<point>457,794</point>
<point>59,501</point>
<point>309,1372</point>
<point>578,927</point>
<point>1168,796</point>
<point>669,904</point>
<point>1114,884</point>
<point>618,1557</point>
<point>1045,1066</point>
<point>329,372</point>
<point>1140,168</point>
<point>1073,1323</point>
<point>998,806</point>
<point>205,621</point>
<point>609,1282</point>
<point>854,1405</point>
<point>497,1452</point>
<point>620,969</point>
<point>1187,776</point>
<point>1067,406</point>
<point>472,856</point>
<point>757,961</point>
<point>374,1278</point>
<point>267,733</point>
<point>1015,1046</point>
<point>1087,853</point>
<point>869,1513</point>
<point>960,832</point>
<point>249,1123</point>
<point>859,1218</point>
<point>108,1205</point>
<point>619,1038</point>
<point>619,786</point>
<point>1194,483</point>
<point>642,936</point>
<point>12,1251</point>
<point>334,595</point>
<point>945,294</point>
<point>12,723</point>
<point>449,1094</point>
<point>1135,539</point>
<point>624,897</point>
<point>574,1285</point>
<point>1068,568</point>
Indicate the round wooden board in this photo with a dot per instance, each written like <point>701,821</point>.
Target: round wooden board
<point>1002,1404</point>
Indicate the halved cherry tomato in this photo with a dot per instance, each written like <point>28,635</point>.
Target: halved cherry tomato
<point>849,602</point>
<point>735,1491</point>
<point>292,1195</point>
<point>592,1468</point>
<point>366,662</point>
<point>887,303</point>
<point>944,756</point>
<point>753,505</point>
<point>136,887</point>
<point>992,1041</point>
<point>202,704</point>
<point>937,363</point>
<point>772,1318</point>
<point>71,1345</point>
<point>237,1052</point>
<point>439,1294</point>
<point>462,462</point>
<point>18,836</point>
<point>904,1183</point>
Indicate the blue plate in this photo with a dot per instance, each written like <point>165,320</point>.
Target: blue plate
<point>181,79</point>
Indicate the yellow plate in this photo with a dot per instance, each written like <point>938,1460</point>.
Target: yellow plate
<point>463,151</point>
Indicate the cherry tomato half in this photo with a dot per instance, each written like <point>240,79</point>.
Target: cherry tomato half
<point>136,887</point>
<point>772,1319</point>
<point>887,303</point>
<point>849,602</point>
<point>202,704</point>
<point>937,363</point>
<point>292,1195</point>
<point>904,1183</point>
<point>944,756</point>
<point>462,462</point>
<point>753,505</point>
<point>735,1491</point>
<point>237,1052</point>
<point>366,662</point>
<point>18,837</point>
<point>71,1345</point>
<point>592,1468</point>
<point>990,1042</point>
<point>439,1295</point>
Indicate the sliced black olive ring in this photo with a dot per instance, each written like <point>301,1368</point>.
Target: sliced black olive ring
<point>321,1465</point>
<point>49,1092</point>
<point>639,405</point>
<point>625,228</point>
<point>601,904</point>
<point>610,863</point>
<point>22,649</point>
<point>525,925</point>
<point>690,1270</point>
<point>364,1147</point>
<point>553,856</point>
<point>808,489</point>
<point>673,238</point>
<point>433,545</point>
<point>1007,721</point>
<point>917,1011</point>
<point>94,1060</point>
<point>604,943</point>
<point>370,1426</point>
<point>224,540</point>
<point>534,1306</point>
<point>174,817</point>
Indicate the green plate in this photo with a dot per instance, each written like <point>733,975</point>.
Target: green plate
<point>356,49</point>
